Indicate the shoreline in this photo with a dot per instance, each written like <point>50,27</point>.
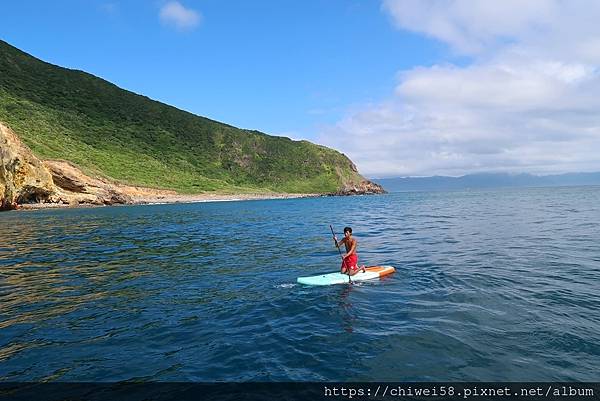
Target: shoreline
<point>166,199</point>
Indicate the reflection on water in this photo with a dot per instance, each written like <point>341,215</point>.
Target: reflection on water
<point>490,285</point>
<point>345,305</point>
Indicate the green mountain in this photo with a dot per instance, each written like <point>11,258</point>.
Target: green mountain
<point>113,133</point>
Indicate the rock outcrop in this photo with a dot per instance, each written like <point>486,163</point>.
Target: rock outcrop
<point>76,187</point>
<point>364,187</point>
<point>23,178</point>
<point>26,179</point>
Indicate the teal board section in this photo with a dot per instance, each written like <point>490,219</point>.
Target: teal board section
<point>336,278</point>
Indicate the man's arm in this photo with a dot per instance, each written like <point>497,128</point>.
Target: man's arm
<point>339,243</point>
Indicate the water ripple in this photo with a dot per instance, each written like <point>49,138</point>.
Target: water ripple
<point>491,285</point>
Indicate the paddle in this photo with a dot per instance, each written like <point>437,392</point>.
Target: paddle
<point>340,251</point>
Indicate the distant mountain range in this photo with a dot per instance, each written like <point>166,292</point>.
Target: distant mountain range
<point>486,180</point>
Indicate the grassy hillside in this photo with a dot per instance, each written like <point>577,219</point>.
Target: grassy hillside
<point>67,114</point>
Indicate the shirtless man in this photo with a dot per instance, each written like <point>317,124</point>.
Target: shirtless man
<point>350,258</point>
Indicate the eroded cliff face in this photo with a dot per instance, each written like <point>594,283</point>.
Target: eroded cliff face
<point>26,179</point>
<point>75,187</point>
<point>23,178</point>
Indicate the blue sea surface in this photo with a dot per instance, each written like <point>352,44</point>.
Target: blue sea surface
<point>493,285</point>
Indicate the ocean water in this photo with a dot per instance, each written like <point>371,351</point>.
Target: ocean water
<point>498,285</point>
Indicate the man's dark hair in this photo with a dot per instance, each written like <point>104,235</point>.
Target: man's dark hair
<point>349,229</point>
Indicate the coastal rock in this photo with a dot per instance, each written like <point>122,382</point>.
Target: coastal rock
<point>23,178</point>
<point>364,187</point>
<point>76,188</point>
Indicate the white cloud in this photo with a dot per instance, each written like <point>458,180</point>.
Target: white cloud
<point>175,14</point>
<point>527,102</point>
<point>470,26</point>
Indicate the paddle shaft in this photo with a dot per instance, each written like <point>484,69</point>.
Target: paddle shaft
<point>341,256</point>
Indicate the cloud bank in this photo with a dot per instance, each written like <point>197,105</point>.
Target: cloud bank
<point>527,102</point>
<point>176,15</point>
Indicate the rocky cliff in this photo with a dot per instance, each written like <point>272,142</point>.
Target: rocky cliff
<point>26,179</point>
<point>74,187</point>
<point>23,177</point>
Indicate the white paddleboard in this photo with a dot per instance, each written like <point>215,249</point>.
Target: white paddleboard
<point>371,273</point>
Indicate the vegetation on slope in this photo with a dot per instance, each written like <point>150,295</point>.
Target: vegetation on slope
<point>107,131</point>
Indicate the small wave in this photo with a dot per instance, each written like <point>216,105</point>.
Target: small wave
<point>286,285</point>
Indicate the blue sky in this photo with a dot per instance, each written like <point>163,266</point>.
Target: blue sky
<point>282,67</point>
<point>403,87</point>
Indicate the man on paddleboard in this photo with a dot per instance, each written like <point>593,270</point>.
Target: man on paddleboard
<point>350,258</point>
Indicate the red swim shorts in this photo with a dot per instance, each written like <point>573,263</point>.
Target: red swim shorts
<point>351,262</point>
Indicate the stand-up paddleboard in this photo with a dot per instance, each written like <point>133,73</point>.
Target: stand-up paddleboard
<point>372,272</point>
